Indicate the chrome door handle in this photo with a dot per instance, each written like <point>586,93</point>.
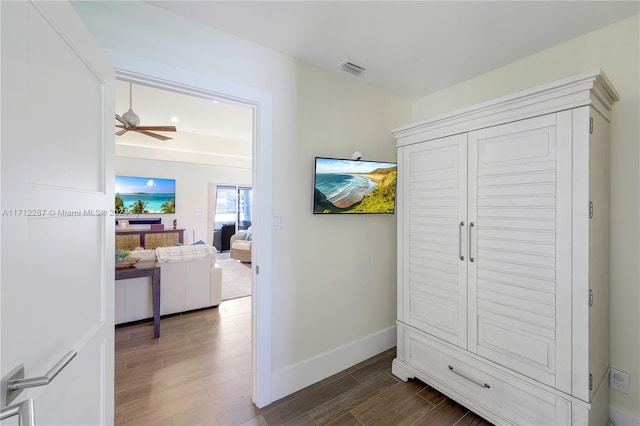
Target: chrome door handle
<point>460,241</point>
<point>14,382</point>
<point>18,384</point>
<point>23,410</point>
<point>470,228</point>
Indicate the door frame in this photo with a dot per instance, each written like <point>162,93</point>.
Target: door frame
<point>166,77</point>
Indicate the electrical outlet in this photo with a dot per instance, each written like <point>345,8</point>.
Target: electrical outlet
<point>619,381</point>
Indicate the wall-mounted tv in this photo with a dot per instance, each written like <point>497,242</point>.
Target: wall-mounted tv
<point>141,195</point>
<point>349,186</point>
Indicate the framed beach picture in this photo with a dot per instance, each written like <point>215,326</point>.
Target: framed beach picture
<point>343,186</point>
<point>145,195</point>
<point>123,224</point>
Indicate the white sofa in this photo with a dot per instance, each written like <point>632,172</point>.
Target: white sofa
<point>189,279</point>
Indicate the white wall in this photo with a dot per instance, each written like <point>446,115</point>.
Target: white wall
<point>616,50</point>
<point>342,269</point>
<point>333,278</point>
<point>187,148</point>
<point>192,183</point>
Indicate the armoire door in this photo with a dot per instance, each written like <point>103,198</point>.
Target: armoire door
<point>519,216</point>
<point>434,189</point>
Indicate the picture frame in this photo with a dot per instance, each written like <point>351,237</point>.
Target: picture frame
<point>123,224</point>
<point>347,186</point>
<point>145,195</point>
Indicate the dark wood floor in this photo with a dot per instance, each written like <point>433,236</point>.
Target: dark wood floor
<point>199,373</point>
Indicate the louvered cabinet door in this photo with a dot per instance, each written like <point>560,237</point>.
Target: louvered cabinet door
<point>434,292</point>
<point>520,247</point>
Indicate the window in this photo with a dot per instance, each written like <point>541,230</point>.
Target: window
<point>233,207</point>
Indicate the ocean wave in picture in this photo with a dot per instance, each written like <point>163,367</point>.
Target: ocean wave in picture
<point>343,190</point>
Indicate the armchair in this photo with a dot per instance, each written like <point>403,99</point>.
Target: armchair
<point>241,246</point>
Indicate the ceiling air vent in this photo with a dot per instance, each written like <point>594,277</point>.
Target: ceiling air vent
<point>352,68</point>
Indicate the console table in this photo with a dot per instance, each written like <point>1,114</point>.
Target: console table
<point>146,269</point>
<point>148,238</point>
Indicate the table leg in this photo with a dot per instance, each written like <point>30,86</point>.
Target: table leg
<point>155,285</point>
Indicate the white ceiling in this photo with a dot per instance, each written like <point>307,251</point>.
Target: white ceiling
<point>156,107</point>
<point>411,48</point>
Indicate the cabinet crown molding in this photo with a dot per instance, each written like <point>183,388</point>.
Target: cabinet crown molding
<point>587,88</point>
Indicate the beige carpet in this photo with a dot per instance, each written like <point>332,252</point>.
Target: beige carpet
<point>236,277</point>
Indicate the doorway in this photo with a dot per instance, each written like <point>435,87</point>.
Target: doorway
<point>173,79</point>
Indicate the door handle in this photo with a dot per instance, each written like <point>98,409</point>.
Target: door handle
<point>460,255</point>
<point>14,382</point>
<point>23,410</point>
<point>471,225</point>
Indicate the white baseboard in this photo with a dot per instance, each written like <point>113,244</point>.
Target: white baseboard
<point>620,417</point>
<point>305,373</point>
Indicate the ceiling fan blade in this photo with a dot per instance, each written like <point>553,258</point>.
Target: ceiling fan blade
<point>158,128</point>
<point>153,135</point>
<point>121,132</point>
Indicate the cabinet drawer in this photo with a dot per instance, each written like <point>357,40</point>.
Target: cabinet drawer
<point>499,396</point>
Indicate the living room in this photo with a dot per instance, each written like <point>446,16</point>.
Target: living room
<point>209,153</point>
<point>212,146</point>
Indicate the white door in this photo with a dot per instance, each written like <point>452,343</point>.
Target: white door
<point>57,253</point>
<point>435,269</point>
<point>520,279</point>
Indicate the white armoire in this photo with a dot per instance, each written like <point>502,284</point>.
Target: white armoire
<point>503,253</point>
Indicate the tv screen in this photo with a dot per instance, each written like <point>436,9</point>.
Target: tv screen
<point>349,186</point>
<point>140,195</point>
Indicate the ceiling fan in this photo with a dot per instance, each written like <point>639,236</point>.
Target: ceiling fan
<point>131,122</point>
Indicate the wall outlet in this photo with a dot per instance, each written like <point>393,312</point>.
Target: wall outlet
<point>619,381</point>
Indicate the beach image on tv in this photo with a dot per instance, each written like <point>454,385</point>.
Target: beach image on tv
<point>138,195</point>
<point>346,186</point>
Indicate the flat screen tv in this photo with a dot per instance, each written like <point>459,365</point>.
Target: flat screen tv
<point>140,195</point>
<point>354,187</point>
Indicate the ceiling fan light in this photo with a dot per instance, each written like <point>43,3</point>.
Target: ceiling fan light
<point>131,118</point>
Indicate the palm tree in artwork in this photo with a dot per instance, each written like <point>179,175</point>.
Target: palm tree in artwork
<point>120,204</point>
<point>169,206</point>
<point>138,207</point>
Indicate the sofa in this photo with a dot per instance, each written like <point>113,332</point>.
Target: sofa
<point>241,246</point>
<point>189,279</point>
